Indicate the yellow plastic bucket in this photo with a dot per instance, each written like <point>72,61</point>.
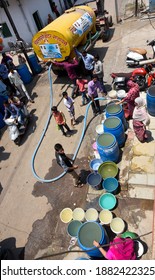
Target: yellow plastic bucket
<point>78,214</point>
<point>66,215</point>
<point>105,217</point>
<point>117,225</point>
<point>91,215</point>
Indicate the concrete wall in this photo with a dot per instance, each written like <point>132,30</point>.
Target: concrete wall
<point>22,14</point>
<point>122,9</point>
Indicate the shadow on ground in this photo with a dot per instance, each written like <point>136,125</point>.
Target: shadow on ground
<point>50,231</point>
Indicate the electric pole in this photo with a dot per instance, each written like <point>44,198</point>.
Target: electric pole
<point>136,7</point>
<point>4,6</point>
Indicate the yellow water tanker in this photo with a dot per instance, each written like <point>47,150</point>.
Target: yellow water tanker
<point>56,40</point>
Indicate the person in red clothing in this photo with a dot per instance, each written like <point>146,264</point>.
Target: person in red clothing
<point>70,66</point>
<point>132,94</point>
<point>81,87</point>
<point>54,9</point>
<point>60,120</point>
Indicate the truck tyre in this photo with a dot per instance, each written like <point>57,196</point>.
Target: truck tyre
<point>140,81</point>
<point>56,72</point>
<point>110,21</point>
<point>106,36</point>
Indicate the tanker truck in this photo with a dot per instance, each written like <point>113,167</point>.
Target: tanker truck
<point>76,28</point>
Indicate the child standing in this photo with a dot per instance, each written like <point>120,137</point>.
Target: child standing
<point>67,164</point>
<point>60,120</point>
<point>81,84</point>
<point>69,103</point>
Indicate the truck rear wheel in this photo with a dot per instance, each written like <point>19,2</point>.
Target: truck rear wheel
<point>110,21</point>
<point>106,36</point>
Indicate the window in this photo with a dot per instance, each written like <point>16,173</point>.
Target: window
<point>38,20</point>
<point>5,30</point>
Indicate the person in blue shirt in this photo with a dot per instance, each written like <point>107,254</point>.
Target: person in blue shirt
<point>88,61</point>
<point>11,111</point>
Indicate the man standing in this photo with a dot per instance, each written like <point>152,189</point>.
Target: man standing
<point>7,60</point>
<point>18,83</point>
<point>67,164</point>
<point>93,86</point>
<point>69,103</point>
<point>98,70</point>
<point>88,61</point>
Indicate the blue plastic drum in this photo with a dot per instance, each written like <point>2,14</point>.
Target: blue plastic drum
<point>24,73</point>
<point>107,147</point>
<point>114,125</point>
<point>34,63</point>
<point>89,232</point>
<point>150,99</point>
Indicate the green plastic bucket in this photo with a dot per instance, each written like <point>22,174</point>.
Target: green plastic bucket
<point>73,228</point>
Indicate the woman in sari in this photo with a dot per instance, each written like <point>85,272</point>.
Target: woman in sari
<point>119,249</point>
<point>140,119</point>
<point>132,94</point>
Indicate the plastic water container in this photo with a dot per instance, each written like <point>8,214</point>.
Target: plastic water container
<point>113,110</point>
<point>110,185</point>
<point>107,147</point>
<point>117,225</point>
<point>150,100</point>
<point>105,217</point>
<point>89,232</point>
<point>34,63</point>
<point>78,214</point>
<point>91,215</point>
<point>94,180</point>
<point>24,73</point>
<point>66,215</point>
<point>73,228</point>
<point>114,125</point>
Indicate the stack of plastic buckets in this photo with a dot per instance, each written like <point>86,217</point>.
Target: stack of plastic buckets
<point>113,110</point>
<point>114,126</point>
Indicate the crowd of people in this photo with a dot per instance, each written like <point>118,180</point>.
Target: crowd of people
<point>12,89</point>
<point>88,84</point>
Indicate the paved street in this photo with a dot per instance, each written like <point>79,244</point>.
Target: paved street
<point>30,209</point>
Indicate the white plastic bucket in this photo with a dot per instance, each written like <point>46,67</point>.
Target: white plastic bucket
<point>121,93</point>
<point>66,215</point>
<point>91,215</point>
<point>105,217</point>
<point>117,225</point>
<point>99,129</point>
<point>78,214</point>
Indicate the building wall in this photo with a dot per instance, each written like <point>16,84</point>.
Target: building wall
<point>22,14</point>
<point>122,9</point>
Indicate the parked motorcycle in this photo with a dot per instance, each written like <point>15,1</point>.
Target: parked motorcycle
<point>135,55</point>
<point>144,77</point>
